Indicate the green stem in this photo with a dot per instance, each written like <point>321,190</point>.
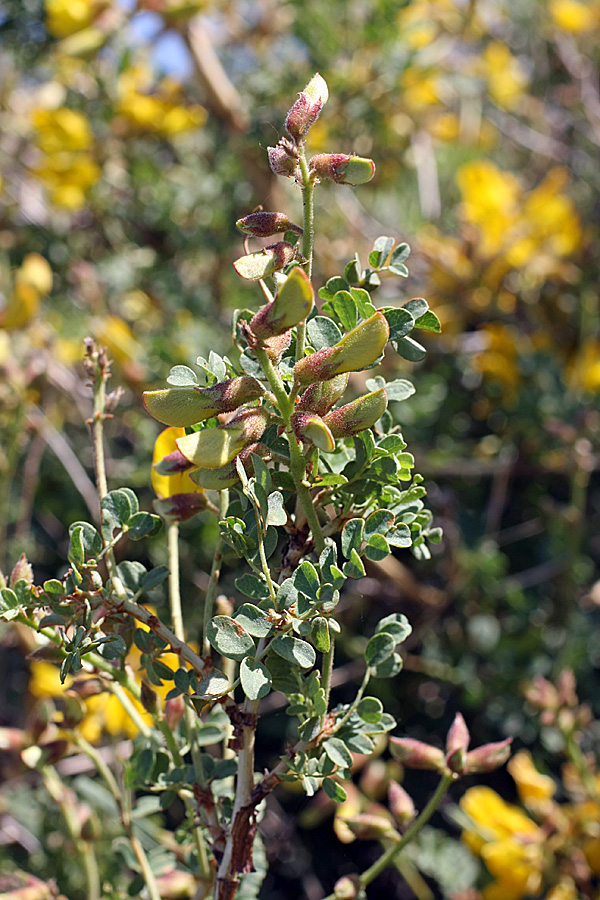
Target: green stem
<point>308,236</point>
<point>215,573</point>
<point>327,671</point>
<point>297,461</point>
<point>388,857</point>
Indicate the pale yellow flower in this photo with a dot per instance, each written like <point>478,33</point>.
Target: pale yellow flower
<point>66,17</point>
<point>170,485</point>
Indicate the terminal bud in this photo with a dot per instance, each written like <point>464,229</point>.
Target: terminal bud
<point>307,108</point>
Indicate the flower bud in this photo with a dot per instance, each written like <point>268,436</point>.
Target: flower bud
<point>172,464</point>
<point>356,350</point>
<point>347,888</point>
<point>174,711</point>
<point>370,827</point>
<point>400,803</point>
<point>416,754</point>
<point>215,447</point>
<point>148,697</point>
<point>320,397</point>
<point>309,427</point>
<point>181,507</point>
<point>265,262</point>
<point>542,694</point>
<point>358,415</point>
<point>292,305</point>
<point>307,108</point>
<point>74,709</point>
<point>281,162</point>
<point>21,572</point>
<point>13,739</point>
<point>342,168</point>
<point>266,224</point>
<point>488,757</point>
<point>457,744</point>
<point>184,406</point>
<point>87,687</point>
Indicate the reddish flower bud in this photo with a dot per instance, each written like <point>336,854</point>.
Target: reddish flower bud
<point>457,744</point>
<point>342,168</point>
<point>542,694</point>
<point>312,428</point>
<point>74,709</point>
<point>320,397</point>
<point>347,888</point>
<point>172,464</point>
<point>87,687</point>
<point>358,349</point>
<point>266,224</point>
<point>488,757</point>
<point>282,163</point>
<point>21,572</point>
<point>181,507</point>
<point>565,685</point>
<point>400,803</point>
<point>184,406</point>
<point>369,827</point>
<point>174,711</point>
<point>307,108</point>
<point>358,415</point>
<point>148,697</point>
<point>265,262</point>
<point>416,754</point>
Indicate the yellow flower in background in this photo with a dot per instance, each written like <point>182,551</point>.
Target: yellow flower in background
<point>506,79</point>
<point>490,200</point>
<point>575,16</point>
<point>62,129</point>
<point>584,371</point>
<point>32,281</point>
<point>66,17</point>
<point>508,841</point>
<point>66,167</point>
<point>155,108</point>
<point>499,358</point>
<point>419,89</point>
<point>531,784</point>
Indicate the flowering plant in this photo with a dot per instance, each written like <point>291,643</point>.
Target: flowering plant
<point>307,484</point>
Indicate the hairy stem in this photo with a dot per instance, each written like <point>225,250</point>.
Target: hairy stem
<point>215,574</point>
<point>308,236</point>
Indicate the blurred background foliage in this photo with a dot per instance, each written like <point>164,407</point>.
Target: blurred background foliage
<point>134,134</point>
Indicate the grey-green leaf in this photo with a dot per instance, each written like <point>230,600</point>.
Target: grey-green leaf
<point>338,753</point>
<point>255,678</point>
<point>295,651</point>
<point>379,648</point>
<point>229,638</point>
<point>253,620</point>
